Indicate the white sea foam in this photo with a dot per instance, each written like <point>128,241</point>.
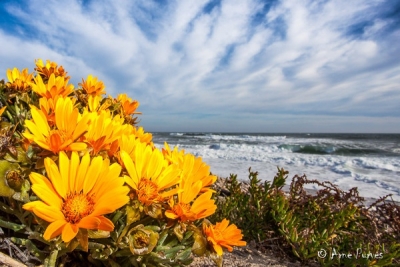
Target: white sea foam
<point>177,134</point>
<point>243,137</point>
<point>373,175</point>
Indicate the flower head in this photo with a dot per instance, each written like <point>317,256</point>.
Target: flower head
<point>69,126</point>
<point>54,88</point>
<point>129,106</point>
<point>46,70</point>
<point>191,166</point>
<point>223,235</point>
<point>103,130</point>
<point>149,174</point>
<point>93,87</point>
<point>191,204</point>
<point>77,194</point>
<point>19,81</point>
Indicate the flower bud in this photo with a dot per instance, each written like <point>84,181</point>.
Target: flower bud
<point>14,180</point>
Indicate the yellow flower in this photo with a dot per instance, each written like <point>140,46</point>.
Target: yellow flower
<point>190,186</point>
<point>69,127</point>
<point>128,105</point>
<point>94,102</point>
<point>196,167</point>
<point>56,87</point>
<point>93,87</point>
<point>137,132</point>
<point>50,68</point>
<point>77,194</point>
<point>127,141</point>
<point>173,156</point>
<point>149,174</point>
<point>19,80</point>
<point>222,235</point>
<point>202,207</point>
<point>103,130</point>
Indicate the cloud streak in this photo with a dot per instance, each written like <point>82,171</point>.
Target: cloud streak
<point>224,65</point>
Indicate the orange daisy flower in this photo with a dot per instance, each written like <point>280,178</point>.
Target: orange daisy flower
<point>191,206</point>
<point>103,130</point>
<point>197,166</point>
<point>128,105</point>
<point>77,194</point>
<point>149,174</point>
<point>19,80</point>
<point>222,235</point>
<point>138,132</point>
<point>70,125</point>
<point>93,87</point>
<point>45,70</point>
<point>56,87</point>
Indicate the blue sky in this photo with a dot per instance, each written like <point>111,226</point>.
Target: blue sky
<point>241,66</point>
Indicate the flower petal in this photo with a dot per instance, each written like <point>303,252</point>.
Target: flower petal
<point>92,174</point>
<point>55,177</point>
<point>40,120</point>
<point>69,232</point>
<point>64,170</point>
<point>130,167</point>
<point>73,170</point>
<point>47,213</point>
<point>54,229</point>
<point>47,195</point>
<point>89,222</point>
<point>111,201</point>
<point>171,215</point>
<point>82,171</point>
<point>105,224</point>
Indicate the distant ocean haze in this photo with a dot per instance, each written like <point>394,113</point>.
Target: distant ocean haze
<point>370,162</point>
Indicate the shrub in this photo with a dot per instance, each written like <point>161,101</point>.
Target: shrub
<point>330,226</point>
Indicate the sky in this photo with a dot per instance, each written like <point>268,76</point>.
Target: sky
<point>223,66</point>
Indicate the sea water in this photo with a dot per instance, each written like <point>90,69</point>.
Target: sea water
<point>370,162</point>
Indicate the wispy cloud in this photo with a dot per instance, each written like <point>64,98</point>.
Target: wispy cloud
<point>224,65</point>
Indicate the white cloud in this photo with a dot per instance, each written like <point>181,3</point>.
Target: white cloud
<point>174,58</point>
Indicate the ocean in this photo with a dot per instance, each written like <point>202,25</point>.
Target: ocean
<point>370,162</point>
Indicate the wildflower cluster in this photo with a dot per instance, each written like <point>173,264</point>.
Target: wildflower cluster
<point>78,176</point>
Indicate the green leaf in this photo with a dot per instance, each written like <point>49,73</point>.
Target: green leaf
<point>21,156</point>
<point>184,255</point>
<point>133,212</point>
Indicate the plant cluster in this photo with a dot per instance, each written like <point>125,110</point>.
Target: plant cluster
<point>330,226</point>
<point>81,183</point>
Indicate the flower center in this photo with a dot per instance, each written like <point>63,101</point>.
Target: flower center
<point>141,240</point>
<point>183,211</point>
<point>77,206</point>
<point>147,192</point>
<point>57,138</point>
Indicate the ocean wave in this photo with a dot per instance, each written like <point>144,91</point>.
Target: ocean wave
<point>308,149</point>
<point>245,137</point>
<point>396,150</point>
<point>370,165</point>
<point>329,149</point>
<point>176,134</point>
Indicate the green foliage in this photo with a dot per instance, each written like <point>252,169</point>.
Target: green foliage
<point>330,226</point>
